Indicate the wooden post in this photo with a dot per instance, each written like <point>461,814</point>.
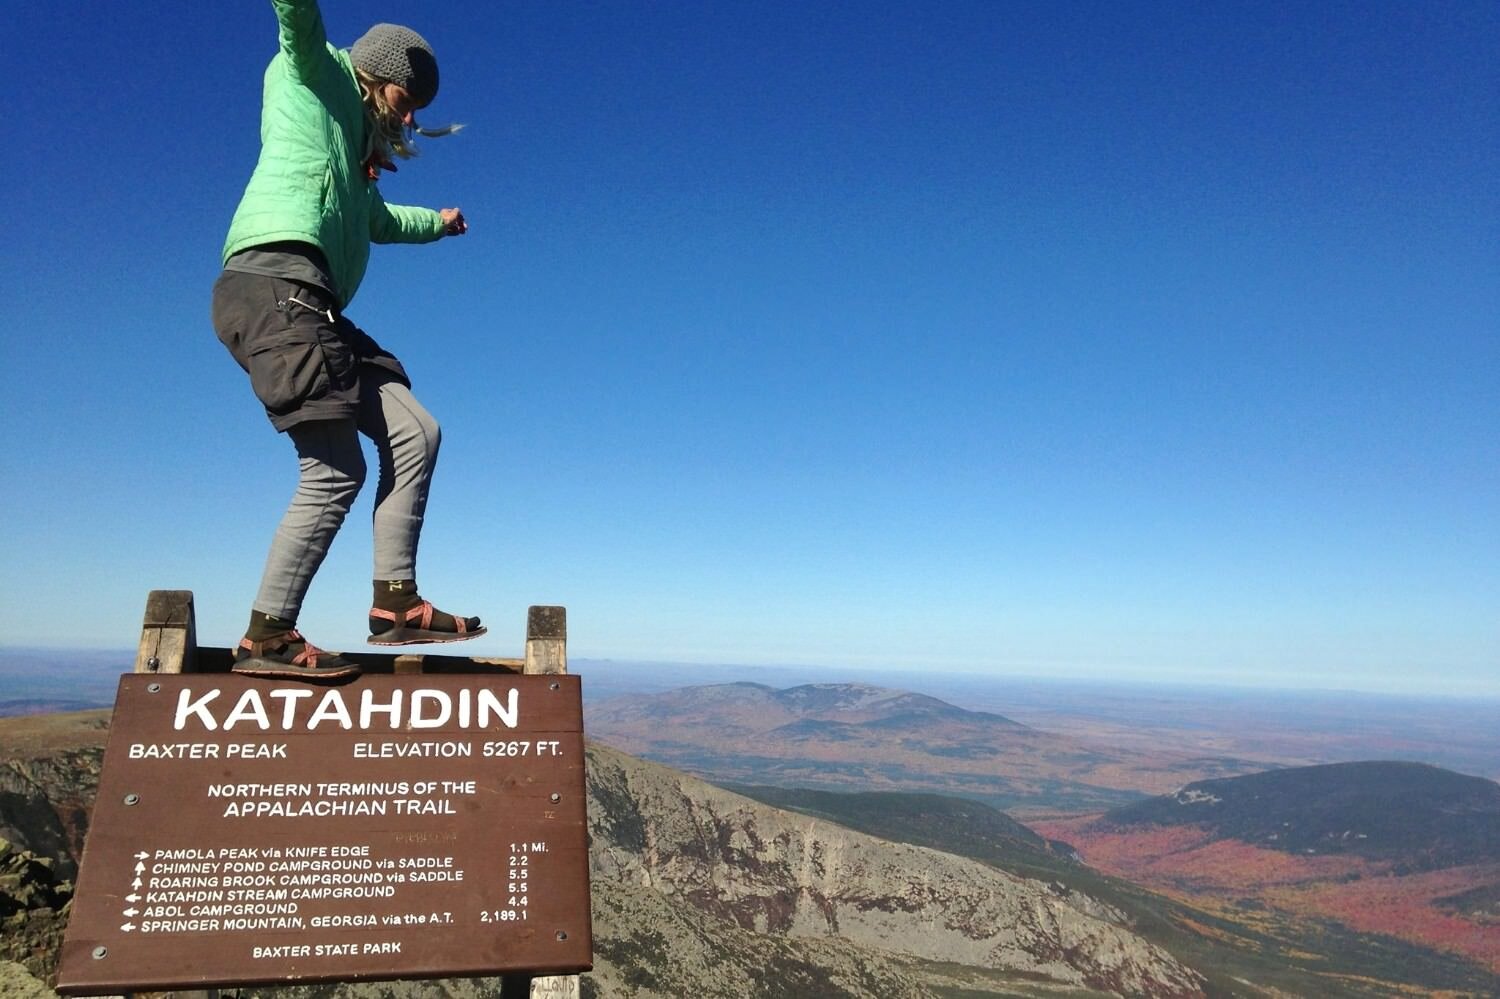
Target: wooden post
<point>546,652</point>
<point>547,640</point>
<point>169,644</point>
<point>169,634</point>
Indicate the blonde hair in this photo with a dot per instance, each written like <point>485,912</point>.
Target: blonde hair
<point>389,135</point>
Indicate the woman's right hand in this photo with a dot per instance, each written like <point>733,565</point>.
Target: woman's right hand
<point>454,223</point>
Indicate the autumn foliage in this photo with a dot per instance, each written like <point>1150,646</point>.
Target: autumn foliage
<point>1368,896</point>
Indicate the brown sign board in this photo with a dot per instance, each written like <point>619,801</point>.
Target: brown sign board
<point>252,831</point>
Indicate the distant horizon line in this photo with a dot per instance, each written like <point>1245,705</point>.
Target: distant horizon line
<point>1093,680</point>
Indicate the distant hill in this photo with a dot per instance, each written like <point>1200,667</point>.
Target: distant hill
<point>851,736</point>
<point>1417,816</point>
<point>43,706</point>
<point>969,828</point>
<point>758,707</point>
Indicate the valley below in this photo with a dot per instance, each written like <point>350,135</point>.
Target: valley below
<point>841,839</point>
<point>1424,907</point>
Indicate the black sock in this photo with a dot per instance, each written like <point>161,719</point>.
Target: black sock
<point>396,594</point>
<point>264,626</point>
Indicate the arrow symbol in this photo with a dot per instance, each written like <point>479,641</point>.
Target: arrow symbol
<point>136,883</point>
<point>142,855</point>
<point>140,868</point>
<point>130,911</point>
<point>132,897</point>
<point>127,927</point>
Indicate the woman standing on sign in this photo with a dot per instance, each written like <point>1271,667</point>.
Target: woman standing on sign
<point>296,252</point>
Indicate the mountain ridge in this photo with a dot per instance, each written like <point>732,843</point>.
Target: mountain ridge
<point>850,737</point>
<point>1445,819</point>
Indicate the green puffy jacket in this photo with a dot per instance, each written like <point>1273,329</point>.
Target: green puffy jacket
<point>310,182</point>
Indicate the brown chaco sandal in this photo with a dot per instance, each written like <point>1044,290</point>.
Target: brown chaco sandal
<point>290,656</point>
<point>414,626</point>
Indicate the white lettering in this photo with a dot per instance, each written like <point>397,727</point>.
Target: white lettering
<point>489,705</point>
<point>332,707</point>
<point>368,707</point>
<point>445,708</point>
<point>423,708</point>
<point>291,697</point>
<point>249,708</point>
<point>185,708</point>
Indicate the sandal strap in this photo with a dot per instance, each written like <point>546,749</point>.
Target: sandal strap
<point>422,613</point>
<point>259,648</point>
<point>307,657</point>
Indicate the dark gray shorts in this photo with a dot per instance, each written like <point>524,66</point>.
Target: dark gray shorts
<point>302,356</point>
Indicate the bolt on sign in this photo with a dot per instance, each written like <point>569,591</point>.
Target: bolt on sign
<point>250,831</point>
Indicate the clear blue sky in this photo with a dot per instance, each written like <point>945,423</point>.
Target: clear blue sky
<point>1147,340</point>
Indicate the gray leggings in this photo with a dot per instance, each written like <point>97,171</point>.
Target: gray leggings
<point>406,437</point>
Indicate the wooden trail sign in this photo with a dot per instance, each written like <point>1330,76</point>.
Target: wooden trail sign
<point>253,831</point>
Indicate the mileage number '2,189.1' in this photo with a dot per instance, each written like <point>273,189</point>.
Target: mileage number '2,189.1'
<point>518,884</point>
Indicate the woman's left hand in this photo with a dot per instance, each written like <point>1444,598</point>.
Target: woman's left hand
<point>454,223</point>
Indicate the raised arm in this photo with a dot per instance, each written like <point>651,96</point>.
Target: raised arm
<point>303,40</point>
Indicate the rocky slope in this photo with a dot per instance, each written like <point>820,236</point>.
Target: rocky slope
<point>48,772</point>
<point>775,872</point>
<point>33,904</point>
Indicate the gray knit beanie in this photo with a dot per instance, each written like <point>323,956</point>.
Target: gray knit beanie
<point>399,55</point>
